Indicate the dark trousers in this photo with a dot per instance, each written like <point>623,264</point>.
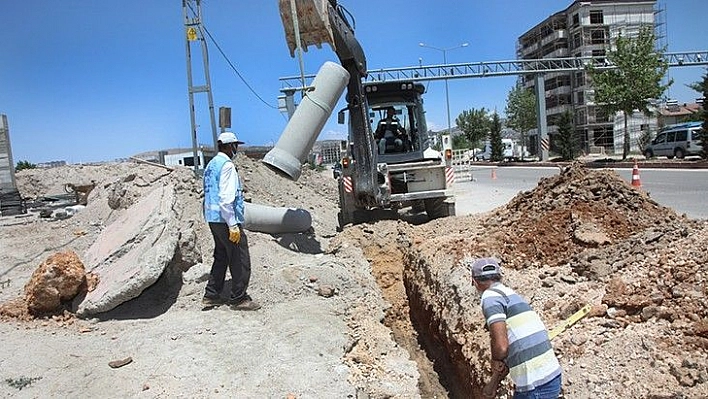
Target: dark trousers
<point>229,255</point>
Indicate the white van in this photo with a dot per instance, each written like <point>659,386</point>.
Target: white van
<point>676,141</point>
<point>510,151</point>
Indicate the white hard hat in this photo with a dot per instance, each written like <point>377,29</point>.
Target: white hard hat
<point>228,138</point>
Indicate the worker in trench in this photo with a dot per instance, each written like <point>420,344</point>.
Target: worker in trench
<point>520,346</point>
<point>224,211</point>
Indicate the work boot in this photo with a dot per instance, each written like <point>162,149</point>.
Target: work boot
<point>210,303</point>
<point>246,304</point>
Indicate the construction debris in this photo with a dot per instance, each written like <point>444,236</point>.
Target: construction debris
<point>580,239</point>
<point>56,281</point>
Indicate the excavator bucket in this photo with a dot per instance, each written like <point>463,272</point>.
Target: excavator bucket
<point>311,22</point>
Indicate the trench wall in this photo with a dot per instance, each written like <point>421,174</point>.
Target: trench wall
<point>445,311</point>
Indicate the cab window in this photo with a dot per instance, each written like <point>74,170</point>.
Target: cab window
<point>670,137</point>
<point>681,135</point>
<point>660,138</point>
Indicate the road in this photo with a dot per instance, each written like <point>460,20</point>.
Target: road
<point>683,190</point>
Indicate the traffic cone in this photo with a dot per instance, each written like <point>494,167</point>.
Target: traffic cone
<point>636,182</point>
<point>494,173</point>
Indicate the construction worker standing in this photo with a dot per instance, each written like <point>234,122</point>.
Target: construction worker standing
<point>223,210</point>
<point>518,339</point>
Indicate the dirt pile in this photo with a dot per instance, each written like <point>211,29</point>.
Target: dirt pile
<point>306,294</point>
<point>569,213</point>
<point>582,237</point>
<point>51,288</point>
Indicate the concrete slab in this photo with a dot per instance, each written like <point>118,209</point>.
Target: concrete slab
<point>131,254</point>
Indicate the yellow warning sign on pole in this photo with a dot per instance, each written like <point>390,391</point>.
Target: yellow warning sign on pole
<point>191,34</point>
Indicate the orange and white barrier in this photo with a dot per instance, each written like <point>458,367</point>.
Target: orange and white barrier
<point>636,182</point>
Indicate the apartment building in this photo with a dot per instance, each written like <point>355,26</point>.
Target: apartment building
<point>587,28</point>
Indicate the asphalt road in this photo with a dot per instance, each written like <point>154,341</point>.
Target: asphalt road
<point>686,191</point>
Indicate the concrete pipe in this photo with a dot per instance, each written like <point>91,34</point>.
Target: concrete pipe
<point>270,219</point>
<point>307,121</point>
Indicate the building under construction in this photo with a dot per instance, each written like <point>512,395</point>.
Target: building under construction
<point>585,29</point>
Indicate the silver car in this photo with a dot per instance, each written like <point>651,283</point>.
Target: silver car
<point>676,141</point>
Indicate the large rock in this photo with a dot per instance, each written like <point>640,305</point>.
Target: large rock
<point>131,254</point>
<point>58,279</point>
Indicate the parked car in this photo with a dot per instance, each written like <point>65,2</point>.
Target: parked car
<point>511,151</point>
<point>677,141</point>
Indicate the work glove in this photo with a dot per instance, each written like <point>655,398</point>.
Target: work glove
<point>235,234</point>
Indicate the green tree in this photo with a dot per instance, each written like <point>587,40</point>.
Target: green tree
<point>475,123</point>
<point>566,143</point>
<point>21,165</point>
<point>521,111</point>
<point>495,139</point>
<point>460,142</point>
<point>634,80</point>
<point>702,87</point>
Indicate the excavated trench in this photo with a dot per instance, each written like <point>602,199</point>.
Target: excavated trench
<point>417,324</point>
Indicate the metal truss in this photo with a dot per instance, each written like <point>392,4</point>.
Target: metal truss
<point>497,68</point>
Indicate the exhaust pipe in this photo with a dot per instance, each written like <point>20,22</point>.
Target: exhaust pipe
<point>307,122</point>
<point>275,220</point>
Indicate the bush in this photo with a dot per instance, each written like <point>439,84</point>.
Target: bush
<point>21,165</point>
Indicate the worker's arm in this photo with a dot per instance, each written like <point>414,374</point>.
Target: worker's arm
<point>499,344</point>
<point>499,341</point>
<point>379,133</point>
<point>500,348</point>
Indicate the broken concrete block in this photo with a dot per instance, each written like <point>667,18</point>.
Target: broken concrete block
<point>131,254</point>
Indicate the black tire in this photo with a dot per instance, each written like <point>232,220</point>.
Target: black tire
<point>670,156</point>
<point>648,154</point>
<point>679,153</point>
<point>343,219</point>
<point>436,208</point>
<point>418,206</point>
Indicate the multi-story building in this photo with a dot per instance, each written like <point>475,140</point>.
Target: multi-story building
<point>587,28</point>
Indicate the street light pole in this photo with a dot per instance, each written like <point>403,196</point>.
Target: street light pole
<point>447,90</point>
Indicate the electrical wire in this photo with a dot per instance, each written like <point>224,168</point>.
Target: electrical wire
<point>236,70</point>
<point>201,26</point>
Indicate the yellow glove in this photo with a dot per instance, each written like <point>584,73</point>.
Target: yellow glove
<point>235,234</point>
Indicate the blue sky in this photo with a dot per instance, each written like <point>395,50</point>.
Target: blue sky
<point>92,80</point>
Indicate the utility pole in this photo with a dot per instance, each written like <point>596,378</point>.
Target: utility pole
<point>192,11</point>
<point>447,91</point>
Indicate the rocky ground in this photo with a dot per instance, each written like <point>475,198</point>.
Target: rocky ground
<point>379,310</point>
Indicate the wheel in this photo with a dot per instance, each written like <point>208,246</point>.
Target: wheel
<point>343,219</point>
<point>648,154</point>
<point>679,153</point>
<point>670,156</point>
<point>436,208</point>
<point>418,206</point>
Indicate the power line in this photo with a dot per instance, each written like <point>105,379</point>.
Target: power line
<point>236,70</point>
<point>231,64</point>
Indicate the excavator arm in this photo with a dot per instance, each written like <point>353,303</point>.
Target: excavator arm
<point>324,21</point>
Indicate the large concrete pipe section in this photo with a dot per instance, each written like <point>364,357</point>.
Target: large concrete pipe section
<point>276,220</point>
<point>307,122</point>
